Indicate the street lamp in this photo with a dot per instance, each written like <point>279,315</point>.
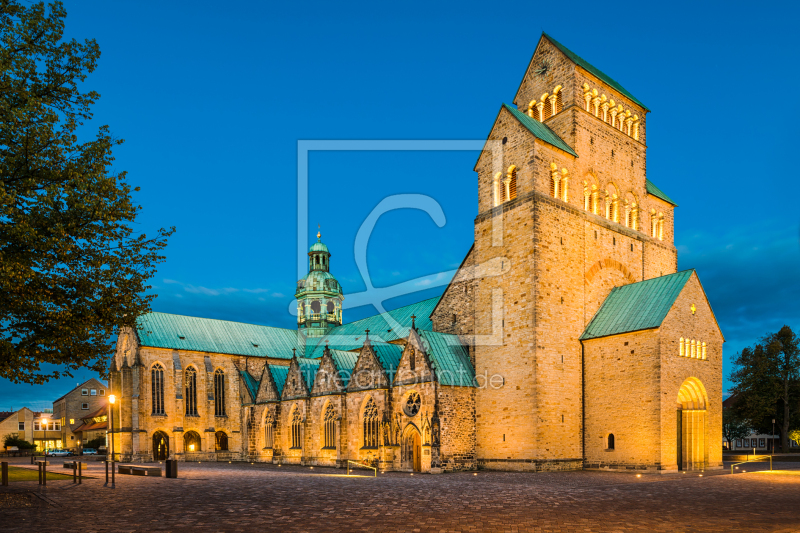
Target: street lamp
<point>111,400</point>
<point>773,436</point>
<point>42,420</point>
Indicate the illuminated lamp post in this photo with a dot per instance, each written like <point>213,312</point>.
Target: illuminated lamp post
<point>111,400</point>
<point>42,420</point>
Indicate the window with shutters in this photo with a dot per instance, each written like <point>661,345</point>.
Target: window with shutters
<point>371,424</point>
<point>157,388</point>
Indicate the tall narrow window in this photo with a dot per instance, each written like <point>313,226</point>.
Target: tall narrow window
<point>297,422</point>
<point>191,391</point>
<point>694,346</point>
<point>157,386</point>
<point>219,393</point>
<point>371,424</point>
<point>269,433</point>
<point>635,218</point>
<point>610,441</point>
<point>682,352</point>
<point>703,355</point>
<point>511,183</point>
<point>329,426</point>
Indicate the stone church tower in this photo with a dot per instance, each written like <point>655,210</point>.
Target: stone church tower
<point>565,214</point>
<point>319,295</point>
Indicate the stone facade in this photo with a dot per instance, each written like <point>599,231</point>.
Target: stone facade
<point>84,399</point>
<point>565,215</point>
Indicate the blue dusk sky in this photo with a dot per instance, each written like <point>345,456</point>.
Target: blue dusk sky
<point>212,99</point>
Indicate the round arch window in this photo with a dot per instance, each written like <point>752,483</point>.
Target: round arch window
<point>412,404</point>
<point>331,307</point>
<point>315,306</point>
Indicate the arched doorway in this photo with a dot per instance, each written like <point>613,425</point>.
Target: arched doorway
<point>692,446</point>
<point>160,446</point>
<point>411,450</point>
<point>191,442</point>
<point>221,441</point>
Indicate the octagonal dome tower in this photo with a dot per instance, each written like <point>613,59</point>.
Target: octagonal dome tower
<point>319,295</point>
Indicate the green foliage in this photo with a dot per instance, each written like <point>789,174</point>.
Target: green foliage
<point>766,380</point>
<point>95,442</point>
<point>795,435</point>
<point>71,268</point>
<point>10,440</point>
<point>733,427</point>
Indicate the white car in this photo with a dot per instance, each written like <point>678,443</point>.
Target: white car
<point>58,453</point>
<point>89,451</point>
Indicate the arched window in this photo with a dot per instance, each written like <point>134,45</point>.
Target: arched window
<point>269,432</point>
<point>191,442</point>
<point>595,202</point>
<point>704,351</point>
<point>511,183</point>
<point>331,307</point>
<point>219,393</point>
<point>316,307</point>
<point>681,350</point>
<point>157,386</point>
<point>497,185</point>
<point>329,426</point>
<point>221,441</point>
<point>610,441</point>
<point>694,349</point>
<point>297,422</point>
<point>555,180</point>
<point>190,377</point>
<point>412,359</point>
<point>371,424</point>
<point>564,189</point>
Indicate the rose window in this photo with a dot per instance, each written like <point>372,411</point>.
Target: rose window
<point>411,407</point>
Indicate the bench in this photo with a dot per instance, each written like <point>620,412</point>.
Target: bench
<point>137,470</point>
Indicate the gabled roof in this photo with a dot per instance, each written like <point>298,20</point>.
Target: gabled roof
<point>345,363</point>
<point>250,383</point>
<point>540,130</point>
<point>388,355</point>
<point>279,374</point>
<point>450,359</point>
<point>163,330</point>
<point>385,327</point>
<point>585,65</point>
<point>308,370</point>
<point>658,193</point>
<point>79,387</point>
<point>636,306</point>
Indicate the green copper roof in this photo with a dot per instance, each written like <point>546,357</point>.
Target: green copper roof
<point>250,383</point>
<point>450,358</point>
<point>345,363</point>
<point>178,332</point>
<point>578,60</point>
<point>319,247</point>
<point>386,327</point>
<point>637,306</point>
<point>279,374</point>
<point>308,369</point>
<point>389,356</point>
<point>655,191</point>
<point>540,130</point>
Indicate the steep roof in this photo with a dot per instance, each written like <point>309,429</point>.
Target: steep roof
<point>388,355</point>
<point>540,130</point>
<point>79,387</point>
<point>385,327</point>
<point>345,363</point>
<point>585,65</point>
<point>308,369</point>
<point>250,383</point>
<point>636,306</point>
<point>658,193</point>
<point>163,330</point>
<point>450,359</point>
<point>279,374</point>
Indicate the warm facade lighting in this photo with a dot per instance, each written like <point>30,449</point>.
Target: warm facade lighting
<point>112,399</point>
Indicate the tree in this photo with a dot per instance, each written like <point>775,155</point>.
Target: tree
<point>10,440</point>
<point>795,435</point>
<point>766,381</point>
<point>733,427</point>
<point>71,268</point>
<point>95,443</point>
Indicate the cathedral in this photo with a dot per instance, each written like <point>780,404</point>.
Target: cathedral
<point>566,340</point>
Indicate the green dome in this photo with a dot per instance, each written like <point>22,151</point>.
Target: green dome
<point>319,247</point>
<point>318,280</point>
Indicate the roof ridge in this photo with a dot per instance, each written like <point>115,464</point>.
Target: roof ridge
<point>581,62</point>
<point>531,125</point>
<point>216,320</point>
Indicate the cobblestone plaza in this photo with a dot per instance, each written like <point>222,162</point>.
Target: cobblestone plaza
<point>259,497</point>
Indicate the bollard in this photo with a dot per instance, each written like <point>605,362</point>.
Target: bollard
<point>44,471</point>
<point>4,477</point>
<point>172,468</point>
<point>113,468</point>
<point>80,476</point>
<point>74,473</point>
<point>106,472</point>
<point>40,472</point>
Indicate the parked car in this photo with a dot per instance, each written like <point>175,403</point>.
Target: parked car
<point>58,453</point>
<point>89,451</point>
